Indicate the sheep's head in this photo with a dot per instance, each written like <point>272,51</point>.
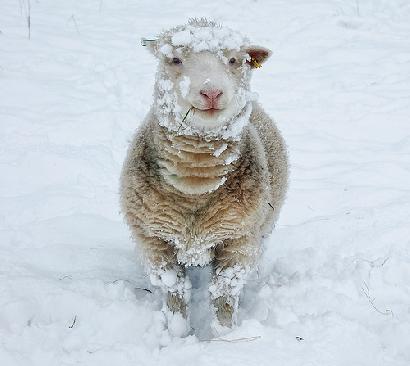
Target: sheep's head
<point>203,79</point>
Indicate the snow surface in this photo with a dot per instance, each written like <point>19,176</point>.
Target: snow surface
<point>334,284</point>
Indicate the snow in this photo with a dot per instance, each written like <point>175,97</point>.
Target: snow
<point>333,287</point>
<point>229,281</point>
<point>184,85</point>
<point>166,50</point>
<point>213,39</point>
<point>220,150</point>
<point>177,325</point>
<point>231,158</point>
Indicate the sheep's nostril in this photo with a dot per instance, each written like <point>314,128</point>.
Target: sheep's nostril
<point>212,94</point>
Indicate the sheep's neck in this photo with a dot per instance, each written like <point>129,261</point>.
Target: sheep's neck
<point>192,164</point>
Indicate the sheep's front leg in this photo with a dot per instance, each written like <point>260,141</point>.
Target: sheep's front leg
<point>177,287</point>
<point>232,263</point>
<point>167,274</point>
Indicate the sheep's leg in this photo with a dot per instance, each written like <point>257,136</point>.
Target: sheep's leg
<point>177,287</point>
<point>233,260</point>
<point>176,303</point>
<point>167,274</point>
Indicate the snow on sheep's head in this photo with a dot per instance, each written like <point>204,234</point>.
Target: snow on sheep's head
<point>202,84</point>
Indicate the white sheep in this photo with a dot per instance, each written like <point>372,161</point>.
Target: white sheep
<point>206,173</point>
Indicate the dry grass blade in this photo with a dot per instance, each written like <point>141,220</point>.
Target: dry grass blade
<point>73,323</point>
<point>185,117</point>
<point>234,340</point>
<point>186,114</point>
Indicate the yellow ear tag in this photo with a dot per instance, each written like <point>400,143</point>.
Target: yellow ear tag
<point>255,63</point>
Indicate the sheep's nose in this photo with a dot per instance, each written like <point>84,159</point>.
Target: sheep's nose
<point>211,94</point>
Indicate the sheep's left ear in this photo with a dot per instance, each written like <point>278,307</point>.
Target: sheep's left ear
<point>257,56</point>
<point>151,44</point>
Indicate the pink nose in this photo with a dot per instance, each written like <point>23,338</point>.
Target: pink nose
<point>211,94</point>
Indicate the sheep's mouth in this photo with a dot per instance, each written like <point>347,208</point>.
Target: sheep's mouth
<point>206,113</point>
<point>210,111</point>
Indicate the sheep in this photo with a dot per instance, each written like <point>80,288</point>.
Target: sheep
<point>206,174</point>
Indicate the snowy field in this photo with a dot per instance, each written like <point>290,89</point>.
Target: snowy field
<point>333,287</point>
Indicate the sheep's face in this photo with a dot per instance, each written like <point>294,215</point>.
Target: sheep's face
<point>202,88</point>
<point>213,91</point>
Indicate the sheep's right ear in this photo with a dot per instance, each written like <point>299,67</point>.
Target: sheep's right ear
<point>257,56</point>
<point>151,44</point>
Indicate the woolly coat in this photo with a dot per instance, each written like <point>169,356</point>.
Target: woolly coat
<point>173,224</point>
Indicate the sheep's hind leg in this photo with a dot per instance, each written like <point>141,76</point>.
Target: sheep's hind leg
<point>233,260</point>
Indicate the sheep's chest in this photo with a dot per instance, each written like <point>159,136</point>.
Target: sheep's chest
<point>196,223</point>
<point>195,226</point>
<point>195,233</point>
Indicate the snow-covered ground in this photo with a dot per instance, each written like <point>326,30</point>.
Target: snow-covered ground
<point>334,284</point>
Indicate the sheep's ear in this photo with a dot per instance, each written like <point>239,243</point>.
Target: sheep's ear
<point>257,56</point>
<point>151,44</point>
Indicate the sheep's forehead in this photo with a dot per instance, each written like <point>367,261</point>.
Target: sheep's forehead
<point>189,38</point>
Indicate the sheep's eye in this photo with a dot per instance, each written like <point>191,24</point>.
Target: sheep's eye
<point>176,61</point>
<point>232,60</point>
